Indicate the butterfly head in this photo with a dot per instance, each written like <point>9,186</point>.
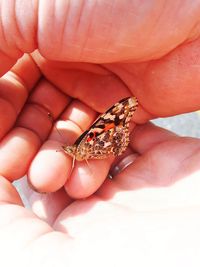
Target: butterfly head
<point>70,150</point>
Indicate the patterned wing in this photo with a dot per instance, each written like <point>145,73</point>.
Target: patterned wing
<point>109,134</point>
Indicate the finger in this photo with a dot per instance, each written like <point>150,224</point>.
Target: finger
<point>93,85</point>
<point>46,206</point>
<point>169,160</point>
<point>87,178</point>
<point>45,99</point>
<point>19,147</point>
<point>6,63</point>
<point>88,33</point>
<point>165,176</point>
<point>51,167</point>
<point>144,137</point>
<point>27,71</point>
<point>122,162</point>
<point>8,193</point>
<point>18,34</point>
<point>162,165</point>
<point>14,90</point>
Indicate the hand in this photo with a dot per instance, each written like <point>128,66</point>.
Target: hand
<point>162,86</point>
<point>147,212</point>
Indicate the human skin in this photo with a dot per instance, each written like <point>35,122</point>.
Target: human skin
<point>89,55</point>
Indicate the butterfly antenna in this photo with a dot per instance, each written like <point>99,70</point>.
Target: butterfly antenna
<point>73,164</point>
<point>91,172</point>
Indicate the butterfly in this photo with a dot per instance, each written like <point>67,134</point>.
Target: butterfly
<point>108,135</point>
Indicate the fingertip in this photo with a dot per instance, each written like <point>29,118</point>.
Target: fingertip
<point>87,178</point>
<point>50,168</point>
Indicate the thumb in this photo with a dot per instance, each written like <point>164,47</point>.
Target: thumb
<point>93,31</point>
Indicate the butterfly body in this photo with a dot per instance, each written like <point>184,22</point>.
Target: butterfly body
<point>108,135</point>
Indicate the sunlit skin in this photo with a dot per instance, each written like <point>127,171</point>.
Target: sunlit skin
<point>82,57</point>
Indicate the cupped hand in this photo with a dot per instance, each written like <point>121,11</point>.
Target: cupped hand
<point>85,61</point>
<point>148,212</point>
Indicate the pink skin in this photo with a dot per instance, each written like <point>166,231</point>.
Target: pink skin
<point>91,54</point>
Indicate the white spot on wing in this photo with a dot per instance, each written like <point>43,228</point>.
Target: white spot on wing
<point>109,116</point>
<point>107,144</point>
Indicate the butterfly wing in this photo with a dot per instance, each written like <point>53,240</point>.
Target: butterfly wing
<point>109,134</point>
